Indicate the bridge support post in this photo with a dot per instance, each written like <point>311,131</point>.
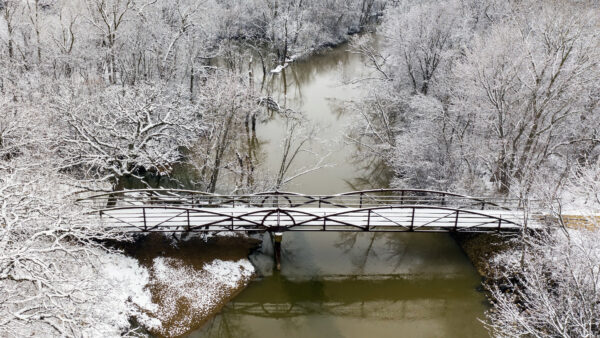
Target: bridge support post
<point>277,237</point>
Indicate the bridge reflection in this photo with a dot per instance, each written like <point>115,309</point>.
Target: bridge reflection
<point>334,305</point>
<point>278,297</point>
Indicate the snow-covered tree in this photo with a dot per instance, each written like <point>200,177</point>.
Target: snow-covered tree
<point>405,114</point>
<point>422,39</point>
<point>120,132</point>
<point>555,292</point>
<point>511,91</point>
<point>552,287</point>
<point>53,263</point>
<point>527,89</point>
<point>227,146</point>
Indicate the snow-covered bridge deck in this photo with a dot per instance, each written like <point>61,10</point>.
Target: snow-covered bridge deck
<point>396,218</point>
<point>372,210</point>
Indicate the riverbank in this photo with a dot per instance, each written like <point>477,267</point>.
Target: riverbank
<point>190,280</point>
<point>481,249</point>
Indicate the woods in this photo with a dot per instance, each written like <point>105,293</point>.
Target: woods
<point>499,95</point>
<point>485,98</point>
<point>101,95</point>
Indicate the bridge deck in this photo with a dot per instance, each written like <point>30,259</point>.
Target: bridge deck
<point>376,219</point>
<point>390,210</point>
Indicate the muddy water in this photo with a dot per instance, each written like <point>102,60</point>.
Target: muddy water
<point>346,285</point>
<point>314,88</point>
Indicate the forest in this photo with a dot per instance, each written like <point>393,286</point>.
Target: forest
<point>486,98</point>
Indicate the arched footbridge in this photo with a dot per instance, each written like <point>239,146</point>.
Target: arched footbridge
<point>381,210</point>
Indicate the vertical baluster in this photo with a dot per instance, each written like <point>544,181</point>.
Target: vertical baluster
<point>456,221</point>
<point>189,224</point>
<point>144,216</point>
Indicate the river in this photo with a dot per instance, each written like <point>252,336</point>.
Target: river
<point>340,284</point>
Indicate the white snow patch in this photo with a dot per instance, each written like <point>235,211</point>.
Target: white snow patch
<point>229,273</point>
<point>123,295</point>
<point>279,68</point>
<point>200,292</point>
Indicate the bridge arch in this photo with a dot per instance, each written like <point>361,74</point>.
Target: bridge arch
<point>279,199</point>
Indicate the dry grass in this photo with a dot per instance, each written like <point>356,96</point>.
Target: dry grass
<point>581,222</point>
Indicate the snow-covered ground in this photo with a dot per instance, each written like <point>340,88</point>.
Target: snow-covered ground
<point>124,295</point>
<point>155,296</point>
<point>199,292</point>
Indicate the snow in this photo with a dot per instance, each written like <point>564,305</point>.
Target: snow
<point>583,244</point>
<point>124,291</point>
<point>279,68</point>
<point>122,294</point>
<point>578,203</point>
<point>229,273</point>
<point>200,292</point>
<point>384,219</point>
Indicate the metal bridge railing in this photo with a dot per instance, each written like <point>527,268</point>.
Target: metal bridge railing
<point>375,219</point>
<point>276,199</point>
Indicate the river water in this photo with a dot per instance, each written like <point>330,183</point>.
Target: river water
<point>346,284</point>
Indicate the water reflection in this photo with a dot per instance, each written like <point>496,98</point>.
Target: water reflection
<point>346,284</point>
<point>358,285</point>
<point>295,81</point>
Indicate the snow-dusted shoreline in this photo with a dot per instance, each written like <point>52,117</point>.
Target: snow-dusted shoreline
<point>154,296</point>
<point>200,292</point>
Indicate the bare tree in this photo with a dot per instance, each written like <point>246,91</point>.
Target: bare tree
<point>123,132</point>
<point>107,17</point>
<point>47,258</point>
<point>500,101</point>
<point>299,139</point>
<point>422,38</point>
<point>530,84</point>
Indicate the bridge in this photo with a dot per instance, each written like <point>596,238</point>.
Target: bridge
<point>275,212</point>
<point>388,210</point>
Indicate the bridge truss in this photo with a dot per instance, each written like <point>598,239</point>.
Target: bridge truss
<point>383,210</point>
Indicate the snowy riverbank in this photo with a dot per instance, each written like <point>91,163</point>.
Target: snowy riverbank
<point>546,287</point>
<point>170,290</point>
<point>185,296</point>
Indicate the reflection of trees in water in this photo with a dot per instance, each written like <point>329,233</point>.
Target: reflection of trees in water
<point>298,258</point>
<point>305,71</point>
<point>286,88</point>
<point>347,242</point>
<point>337,107</point>
<point>376,173</point>
<point>395,245</point>
<point>290,82</point>
<point>226,324</point>
<point>396,249</point>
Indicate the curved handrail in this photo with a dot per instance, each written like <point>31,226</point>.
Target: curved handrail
<point>325,199</point>
<point>277,192</point>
